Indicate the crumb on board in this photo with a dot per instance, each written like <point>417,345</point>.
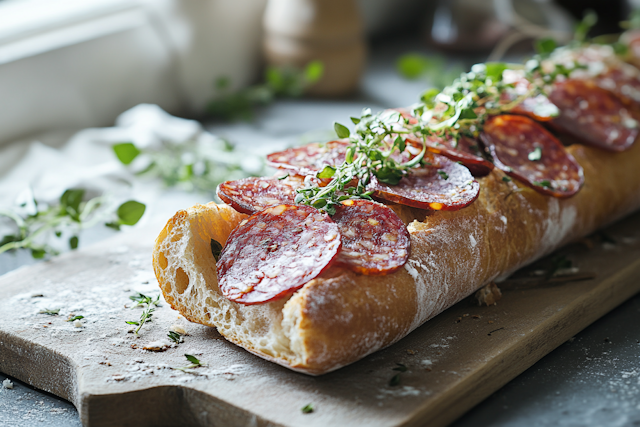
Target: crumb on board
<point>488,295</point>
<point>7,384</point>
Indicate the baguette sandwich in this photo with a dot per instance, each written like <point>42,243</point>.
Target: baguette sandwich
<point>525,201</point>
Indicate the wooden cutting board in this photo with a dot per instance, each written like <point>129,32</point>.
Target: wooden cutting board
<point>453,361</point>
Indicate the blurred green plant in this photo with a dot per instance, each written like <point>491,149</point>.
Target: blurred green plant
<point>35,223</point>
<point>195,165</point>
<point>433,69</point>
<point>279,82</point>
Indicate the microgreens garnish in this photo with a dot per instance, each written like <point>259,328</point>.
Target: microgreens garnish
<point>37,222</point>
<point>307,409</point>
<point>50,312</point>
<point>175,337</point>
<point>150,305</point>
<point>279,82</point>
<point>506,179</point>
<point>71,319</point>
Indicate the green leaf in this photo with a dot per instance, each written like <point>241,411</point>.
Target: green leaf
<point>129,213</point>
<point>506,179</point>
<point>582,29</point>
<point>545,46</point>
<point>535,155</point>
<point>412,66</point>
<point>395,380</point>
<point>223,83</point>
<point>174,336</point>
<point>443,174</point>
<point>428,97</point>
<point>38,253</point>
<point>73,242</point>
<point>545,183</point>
<point>314,71</point>
<point>75,318</point>
<point>126,152</point>
<point>216,249</point>
<point>327,172</point>
<point>132,322</point>
<point>495,69</point>
<point>192,359</point>
<point>113,225</point>
<point>351,151</point>
<point>341,130</point>
<point>355,120</point>
<point>389,175</point>
<point>307,409</point>
<point>50,312</point>
<point>319,204</point>
<point>468,113</point>
<point>70,203</point>
<point>401,367</point>
<point>400,143</point>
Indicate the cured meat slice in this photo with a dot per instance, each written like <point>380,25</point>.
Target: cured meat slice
<point>275,252</point>
<point>442,185</point>
<point>528,152</point>
<point>465,151</point>
<point>252,195</point>
<point>593,115</point>
<point>375,241</point>
<point>311,158</point>
<point>624,81</point>
<point>538,108</point>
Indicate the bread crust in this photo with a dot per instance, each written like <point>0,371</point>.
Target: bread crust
<point>341,316</point>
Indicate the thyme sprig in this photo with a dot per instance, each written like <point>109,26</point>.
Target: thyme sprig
<point>371,152</point>
<point>35,222</point>
<point>149,305</point>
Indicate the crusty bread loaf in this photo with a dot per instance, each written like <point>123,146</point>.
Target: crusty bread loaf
<point>341,317</point>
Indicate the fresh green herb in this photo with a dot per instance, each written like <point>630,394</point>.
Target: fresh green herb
<point>193,363</point>
<point>71,319</point>
<point>50,312</point>
<point>175,337</point>
<point>431,68</point>
<point>443,174</point>
<point>149,305</point>
<point>283,177</point>
<point>195,165</point>
<point>216,249</point>
<point>558,263</point>
<point>545,46</point>
<point>506,179</point>
<point>280,82</point>
<point>545,183</point>
<point>401,367</point>
<point>126,152</point>
<point>307,409</point>
<point>143,300</point>
<point>582,29</point>
<point>395,380</point>
<point>37,223</point>
<point>535,155</point>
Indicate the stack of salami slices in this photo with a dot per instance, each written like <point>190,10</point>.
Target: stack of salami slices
<point>283,245</point>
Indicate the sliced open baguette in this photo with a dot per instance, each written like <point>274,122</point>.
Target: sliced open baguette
<point>341,316</point>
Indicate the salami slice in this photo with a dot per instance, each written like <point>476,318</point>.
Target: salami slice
<point>444,185</point>
<point>538,108</point>
<point>375,241</point>
<point>593,115</point>
<point>528,152</point>
<point>465,151</point>
<point>311,158</point>
<point>275,252</point>
<point>252,195</point>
